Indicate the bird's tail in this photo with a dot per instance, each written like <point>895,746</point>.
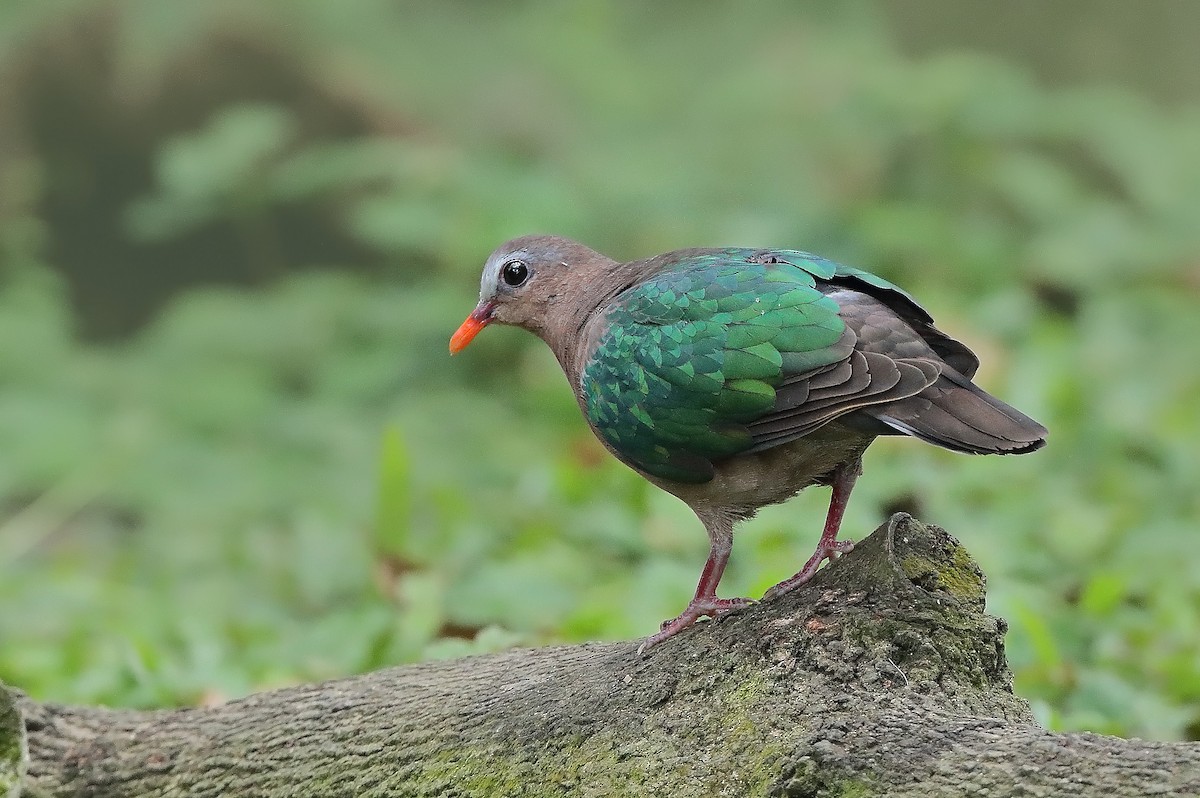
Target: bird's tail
<point>956,414</point>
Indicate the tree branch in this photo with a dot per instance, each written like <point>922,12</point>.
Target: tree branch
<point>883,676</point>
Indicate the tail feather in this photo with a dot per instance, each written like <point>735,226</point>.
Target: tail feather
<point>958,415</point>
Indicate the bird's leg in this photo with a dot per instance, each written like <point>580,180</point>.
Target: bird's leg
<point>705,602</point>
<point>828,546</point>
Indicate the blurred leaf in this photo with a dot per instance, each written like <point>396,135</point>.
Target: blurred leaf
<point>218,171</point>
<point>394,512</point>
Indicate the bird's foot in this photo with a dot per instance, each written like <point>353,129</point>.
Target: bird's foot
<point>697,609</point>
<point>823,553</point>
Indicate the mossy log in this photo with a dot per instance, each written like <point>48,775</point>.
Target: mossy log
<point>883,676</point>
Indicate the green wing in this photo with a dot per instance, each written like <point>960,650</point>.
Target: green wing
<point>696,352</point>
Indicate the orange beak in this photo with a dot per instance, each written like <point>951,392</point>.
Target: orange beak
<point>478,319</point>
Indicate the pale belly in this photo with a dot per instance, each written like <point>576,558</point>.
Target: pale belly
<point>746,482</point>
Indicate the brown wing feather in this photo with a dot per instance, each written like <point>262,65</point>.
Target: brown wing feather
<point>877,380</point>
<point>894,372</point>
<point>957,414</point>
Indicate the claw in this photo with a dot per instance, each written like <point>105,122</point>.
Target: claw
<point>697,609</point>
<point>830,552</point>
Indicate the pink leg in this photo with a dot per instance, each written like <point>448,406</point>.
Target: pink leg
<point>705,602</point>
<point>828,546</point>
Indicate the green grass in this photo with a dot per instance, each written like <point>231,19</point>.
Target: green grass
<point>293,481</point>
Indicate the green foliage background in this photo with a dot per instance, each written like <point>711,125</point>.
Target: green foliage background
<point>234,239</point>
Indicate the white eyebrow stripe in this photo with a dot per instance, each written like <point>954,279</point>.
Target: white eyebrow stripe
<point>489,282</point>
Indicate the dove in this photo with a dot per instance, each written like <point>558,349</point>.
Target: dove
<point>734,378</point>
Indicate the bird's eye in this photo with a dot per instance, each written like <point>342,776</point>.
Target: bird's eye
<point>514,273</point>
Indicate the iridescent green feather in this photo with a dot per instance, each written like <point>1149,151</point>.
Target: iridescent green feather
<point>694,353</point>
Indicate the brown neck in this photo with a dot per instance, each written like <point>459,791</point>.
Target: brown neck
<point>573,324</point>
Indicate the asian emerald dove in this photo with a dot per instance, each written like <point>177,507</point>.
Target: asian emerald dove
<point>734,378</point>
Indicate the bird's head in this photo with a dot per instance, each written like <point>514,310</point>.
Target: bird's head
<point>531,282</point>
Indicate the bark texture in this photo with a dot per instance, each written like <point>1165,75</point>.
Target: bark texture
<point>883,676</point>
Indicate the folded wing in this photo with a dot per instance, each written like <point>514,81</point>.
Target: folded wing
<point>733,351</point>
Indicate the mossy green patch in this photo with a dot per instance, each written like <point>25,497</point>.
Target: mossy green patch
<point>813,778</point>
<point>854,789</point>
<point>579,764</point>
<point>13,754</point>
<point>957,574</point>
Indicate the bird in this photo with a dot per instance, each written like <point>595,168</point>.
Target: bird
<point>733,378</point>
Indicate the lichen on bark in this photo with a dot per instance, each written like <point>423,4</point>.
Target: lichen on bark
<point>13,752</point>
